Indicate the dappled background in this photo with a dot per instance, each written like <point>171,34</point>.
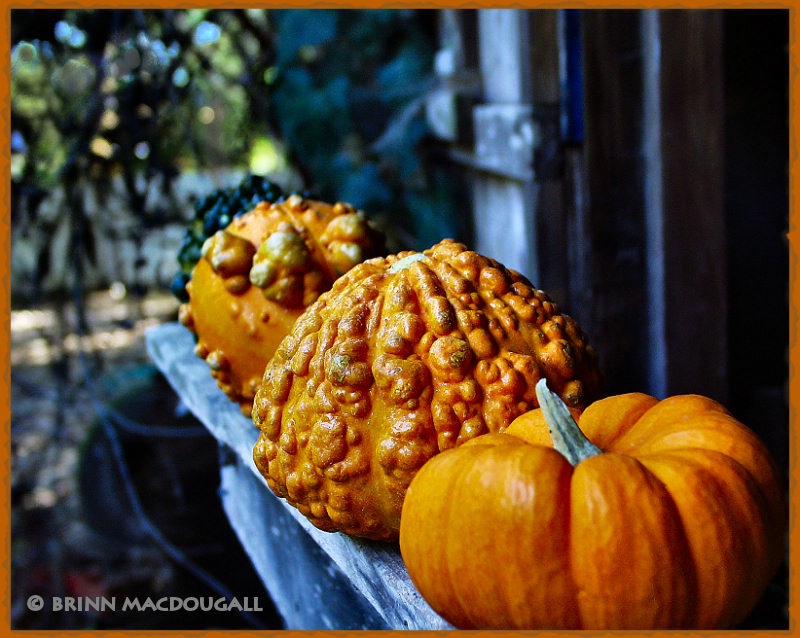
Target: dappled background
<point>122,120</point>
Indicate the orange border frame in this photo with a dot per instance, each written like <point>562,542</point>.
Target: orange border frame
<point>5,264</point>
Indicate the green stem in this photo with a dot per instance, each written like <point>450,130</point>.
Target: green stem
<point>567,436</point>
<point>405,262</point>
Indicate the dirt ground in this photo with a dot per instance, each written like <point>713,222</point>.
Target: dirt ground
<point>76,534</point>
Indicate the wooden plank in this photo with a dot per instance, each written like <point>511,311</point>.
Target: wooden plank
<point>654,203</point>
<point>314,594</point>
<point>654,162</point>
<point>576,211</point>
<point>503,215</point>
<point>503,40</point>
<point>550,206</point>
<point>373,572</point>
<point>503,223</point>
<point>617,296</point>
<point>692,153</point>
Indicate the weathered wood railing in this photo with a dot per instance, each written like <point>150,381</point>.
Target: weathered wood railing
<point>316,579</point>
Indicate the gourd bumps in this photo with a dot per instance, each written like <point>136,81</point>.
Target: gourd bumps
<point>407,355</point>
<point>257,275</point>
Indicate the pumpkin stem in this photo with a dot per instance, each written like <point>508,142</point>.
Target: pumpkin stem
<point>405,262</point>
<point>567,436</point>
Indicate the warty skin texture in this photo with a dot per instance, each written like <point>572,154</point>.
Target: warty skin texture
<point>258,275</point>
<point>404,357</point>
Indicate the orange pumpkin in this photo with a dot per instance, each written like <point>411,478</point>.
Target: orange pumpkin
<point>671,514</point>
<point>406,356</point>
<point>257,276</point>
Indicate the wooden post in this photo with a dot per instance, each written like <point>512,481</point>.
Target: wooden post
<point>504,215</point>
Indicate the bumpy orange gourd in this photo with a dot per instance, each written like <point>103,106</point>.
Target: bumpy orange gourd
<point>406,356</point>
<point>258,275</point>
<point>670,514</point>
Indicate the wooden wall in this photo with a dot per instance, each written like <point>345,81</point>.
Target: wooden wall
<point>638,207</point>
<point>654,118</point>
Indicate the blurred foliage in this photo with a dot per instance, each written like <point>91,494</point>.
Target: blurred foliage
<point>335,96</point>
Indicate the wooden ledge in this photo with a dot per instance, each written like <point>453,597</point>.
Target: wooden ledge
<point>317,580</point>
